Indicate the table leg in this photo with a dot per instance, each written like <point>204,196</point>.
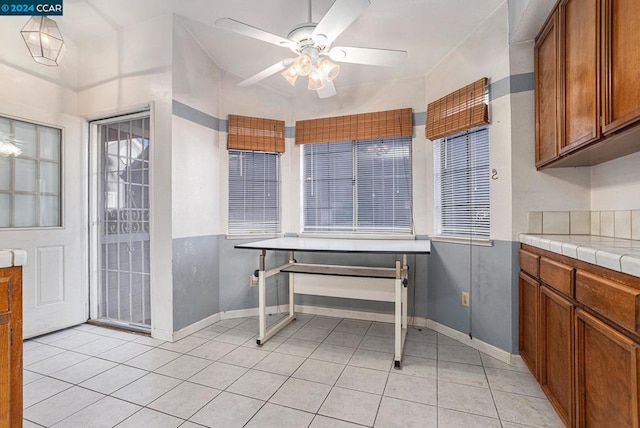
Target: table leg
<point>262,301</point>
<point>292,306</point>
<point>398,317</point>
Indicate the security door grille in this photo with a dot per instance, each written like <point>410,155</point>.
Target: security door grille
<point>124,289</point>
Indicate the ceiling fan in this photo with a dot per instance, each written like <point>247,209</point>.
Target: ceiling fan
<point>311,42</point>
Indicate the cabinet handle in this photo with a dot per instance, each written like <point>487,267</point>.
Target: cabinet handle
<point>11,337</point>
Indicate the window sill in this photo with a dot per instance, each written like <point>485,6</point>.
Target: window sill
<point>356,236</point>
<point>254,236</point>
<point>462,240</point>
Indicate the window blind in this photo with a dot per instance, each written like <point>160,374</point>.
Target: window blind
<point>461,170</point>
<point>254,192</point>
<point>463,109</point>
<point>358,186</point>
<point>254,133</point>
<point>364,126</point>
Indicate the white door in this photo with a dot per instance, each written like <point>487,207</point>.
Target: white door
<point>43,210</point>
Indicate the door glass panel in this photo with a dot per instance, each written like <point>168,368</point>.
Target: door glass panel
<point>49,211</point>
<point>26,138</point>
<point>49,143</point>
<point>5,210</point>
<point>26,175</point>
<point>5,173</point>
<point>50,176</point>
<point>25,212</point>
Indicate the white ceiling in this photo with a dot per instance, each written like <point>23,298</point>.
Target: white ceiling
<point>427,29</point>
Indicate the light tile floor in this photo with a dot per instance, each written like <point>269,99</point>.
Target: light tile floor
<point>318,372</point>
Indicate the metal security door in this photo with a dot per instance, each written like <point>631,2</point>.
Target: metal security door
<point>123,222</point>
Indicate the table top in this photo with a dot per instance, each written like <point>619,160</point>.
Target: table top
<point>334,245</point>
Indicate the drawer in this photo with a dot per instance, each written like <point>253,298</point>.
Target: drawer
<point>557,275</point>
<point>4,294</point>
<point>529,263</point>
<point>615,301</point>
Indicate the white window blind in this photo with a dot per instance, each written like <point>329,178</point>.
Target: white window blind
<point>461,170</point>
<point>358,186</point>
<point>254,192</point>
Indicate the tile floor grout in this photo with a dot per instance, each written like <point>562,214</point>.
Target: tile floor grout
<point>433,342</point>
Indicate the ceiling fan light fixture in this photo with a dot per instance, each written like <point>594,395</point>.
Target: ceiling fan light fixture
<point>315,80</point>
<point>303,65</point>
<point>291,75</point>
<point>329,69</point>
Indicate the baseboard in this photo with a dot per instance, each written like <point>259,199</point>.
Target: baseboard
<point>493,351</point>
<point>481,346</point>
<point>253,312</point>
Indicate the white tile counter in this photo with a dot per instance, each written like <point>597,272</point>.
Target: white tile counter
<point>622,255</point>
<point>10,258</point>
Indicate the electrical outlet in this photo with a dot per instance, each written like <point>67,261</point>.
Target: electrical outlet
<point>465,299</point>
<point>253,281</point>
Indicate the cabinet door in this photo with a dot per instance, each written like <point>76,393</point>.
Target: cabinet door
<point>528,289</point>
<point>556,352</point>
<point>5,370</point>
<point>621,60</point>
<point>607,375</point>
<point>579,71</point>
<point>546,93</point>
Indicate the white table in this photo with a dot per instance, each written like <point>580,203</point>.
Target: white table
<point>386,284</point>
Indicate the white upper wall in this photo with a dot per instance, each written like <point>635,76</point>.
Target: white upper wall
<point>615,185</point>
<point>485,53</point>
<point>196,164</point>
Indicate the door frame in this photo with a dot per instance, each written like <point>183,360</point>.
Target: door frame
<point>94,208</point>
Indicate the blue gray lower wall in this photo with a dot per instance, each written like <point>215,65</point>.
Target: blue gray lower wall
<point>489,274</point>
<point>236,266</point>
<point>211,276</point>
<point>196,290</point>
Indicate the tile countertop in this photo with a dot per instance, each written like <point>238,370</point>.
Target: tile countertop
<point>622,255</point>
<point>10,258</point>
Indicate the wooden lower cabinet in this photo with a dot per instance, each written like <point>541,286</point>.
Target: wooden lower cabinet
<point>556,352</point>
<point>529,289</point>
<point>11,347</point>
<point>607,375</point>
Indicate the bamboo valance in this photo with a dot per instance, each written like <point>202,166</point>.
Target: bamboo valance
<point>460,110</point>
<point>365,126</point>
<point>254,133</point>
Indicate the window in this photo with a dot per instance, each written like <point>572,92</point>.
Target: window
<point>358,186</point>
<point>254,192</point>
<point>461,170</point>
<point>30,189</point>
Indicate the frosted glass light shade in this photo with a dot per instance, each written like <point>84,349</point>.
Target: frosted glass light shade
<point>328,69</point>
<point>44,40</point>
<point>315,81</point>
<point>291,75</point>
<point>303,65</point>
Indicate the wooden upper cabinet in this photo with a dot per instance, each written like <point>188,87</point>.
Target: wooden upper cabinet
<point>546,93</point>
<point>579,71</point>
<point>621,63</point>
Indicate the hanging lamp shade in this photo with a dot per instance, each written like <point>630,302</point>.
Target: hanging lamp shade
<point>44,40</point>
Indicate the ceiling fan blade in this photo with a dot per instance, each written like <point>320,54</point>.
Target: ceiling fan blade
<point>382,57</point>
<point>253,32</point>
<point>339,17</point>
<point>328,90</point>
<point>279,66</point>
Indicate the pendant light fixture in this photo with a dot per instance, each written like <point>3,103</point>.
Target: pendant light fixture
<point>44,40</point>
